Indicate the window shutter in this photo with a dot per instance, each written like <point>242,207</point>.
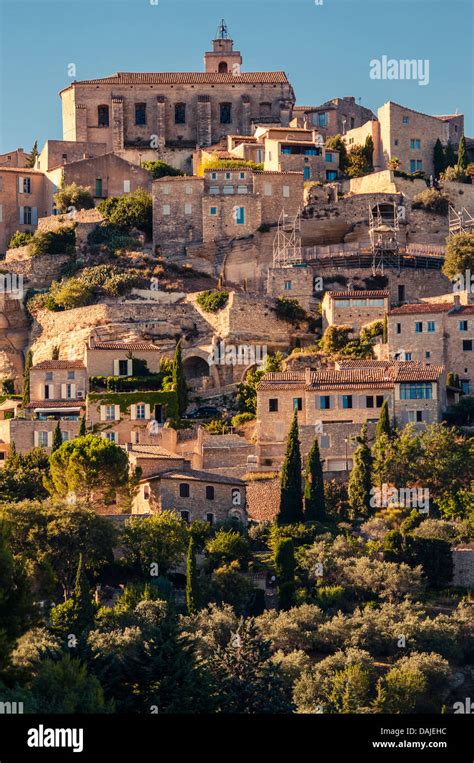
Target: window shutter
<point>20,185</point>
<point>36,439</point>
<point>116,367</point>
<point>129,367</point>
<point>133,412</point>
<point>73,391</point>
<point>147,411</point>
<point>361,401</point>
<point>340,401</point>
<point>318,403</point>
<point>1,213</point>
<point>102,412</point>
<point>22,215</point>
<point>63,391</point>
<point>50,439</point>
<point>117,412</point>
<point>34,215</point>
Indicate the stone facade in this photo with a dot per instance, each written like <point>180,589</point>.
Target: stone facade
<point>115,358</point>
<point>107,175</point>
<point>463,561</point>
<point>354,308</point>
<point>299,150</point>
<point>58,380</point>
<point>334,117</point>
<point>22,201</point>
<point>16,158</point>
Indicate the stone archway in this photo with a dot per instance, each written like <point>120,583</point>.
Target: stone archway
<point>196,368</point>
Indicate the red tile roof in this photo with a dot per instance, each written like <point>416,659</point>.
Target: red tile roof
<point>56,404</point>
<point>185,78</point>
<point>59,364</point>
<point>124,346</point>
<point>422,307</point>
<point>354,294</point>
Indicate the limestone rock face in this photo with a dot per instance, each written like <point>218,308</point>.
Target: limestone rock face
<point>13,338</point>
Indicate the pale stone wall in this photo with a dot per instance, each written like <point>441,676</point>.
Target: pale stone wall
<point>22,431</point>
<point>60,152</point>
<point>60,377</point>
<point>11,199</point>
<point>114,173</point>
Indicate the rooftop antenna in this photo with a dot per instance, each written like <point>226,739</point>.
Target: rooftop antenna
<point>222,31</point>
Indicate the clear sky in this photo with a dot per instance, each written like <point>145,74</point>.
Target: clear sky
<point>324,49</point>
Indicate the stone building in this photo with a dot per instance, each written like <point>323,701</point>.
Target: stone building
<point>223,204</point>
<point>167,115</point>
<point>334,403</point>
<point>463,563</point>
<point>115,358</point>
<point>439,332</point>
<point>298,150</point>
<point>22,201</point>
<point>354,308</point>
<point>334,117</point>
<point>105,175</point>
<point>16,158</point>
<point>58,380</point>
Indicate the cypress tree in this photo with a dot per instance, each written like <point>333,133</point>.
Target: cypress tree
<point>34,153</point>
<point>462,156</point>
<point>57,438</point>
<point>82,427</point>
<point>449,155</point>
<point>192,592</point>
<point>314,499</point>
<point>291,503</point>
<point>439,159</point>
<point>360,480</point>
<point>84,609</point>
<point>385,329</point>
<point>26,378</point>
<point>285,566</point>
<point>383,424</point>
<point>179,381</point>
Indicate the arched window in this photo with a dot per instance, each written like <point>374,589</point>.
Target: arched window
<point>103,116</point>
<point>180,114</point>
<point>223,68</point>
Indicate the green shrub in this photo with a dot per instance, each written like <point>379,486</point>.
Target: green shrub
<point>19,238</point>
<point>73,195</point>
<point>90,283</point>
<point>212,301</point>
<point>161,169</point>
<point>110,238</point>
<point>133,210</point>
<point>229,164</point>
<point>432,201</point>
<point>242,418</point>
<point>289,310</point>
<point>60,241</point>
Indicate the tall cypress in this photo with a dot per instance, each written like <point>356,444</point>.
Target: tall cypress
<point>192,592</point>
<point>383,424</point>
<point>179,380</point>
<point>285,565</point>
<point>462,156</point>
<point>449,155</point>
<point>314,499</point>
<point>82,427</point>
<point>84,609</point>
<point>439,159</point>
<point>26,378</point>
<point>291,503</point>
<point>360,480</point>
<point>57,438</point>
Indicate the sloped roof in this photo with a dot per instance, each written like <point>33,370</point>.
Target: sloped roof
<point>354,294</point>
<point>185,78</point>
<point>95,345</point>
<point>195,475</point>
<point>58,364</point>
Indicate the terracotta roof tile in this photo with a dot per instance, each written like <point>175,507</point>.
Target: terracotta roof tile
<point>195,475</point>
<point>56,404</point>
<point>354,294</point>
<point>59,364</point>
<point>186,78</point>
<point>143,346</point>
<point>422,307</point>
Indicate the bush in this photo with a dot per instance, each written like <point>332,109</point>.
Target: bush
<point>242,418</point>
<point>84,288</point>
<point>73,195</point>
<point>133,210</point>
<point>60,241</point>
<point>212,301</point>
<point>432,201</point>
<point>19,238</point>
<point>289,310</point>
<point>110,238</point>
<point>229,164</point>
<point>454,175</point>
<point>459,256</point>
<point>161,169</point>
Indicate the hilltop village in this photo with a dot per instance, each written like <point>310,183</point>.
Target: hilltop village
<point>258,307</point>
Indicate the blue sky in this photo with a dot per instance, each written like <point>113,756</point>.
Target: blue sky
<point>324,49</point>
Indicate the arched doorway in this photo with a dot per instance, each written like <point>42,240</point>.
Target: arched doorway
<point>223,68</point>
<point>195,368</point>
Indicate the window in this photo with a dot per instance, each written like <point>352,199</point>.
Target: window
<point>405,120</point>
<point>462,325</point>
<point>408,356</point>
<point>347,401</point>
<point>111,436</point>
<point>467,345</point>
<point>103,116</point>
<point>416,165</point>
<point>287,285</point>
<point>379,401</point>
<point>226,113</point>
<point>184,490</point>
<point>273,405</point>
<point>268,189</point>
<point>242,189</point>
<point>140,113</point>
<point>27,216</point>
<point>240,215</point>
<point>146,492</point>
<point>189,190</point>
<point>395,142</point>
<point>213,175</point>
<point>401,293</point>
<point>166,209</point>
<point>188,209</point>
<point>214,190</point>
<point>323,119</point>
<point>209,492</point>
<point>286,191</point>
<point>297,403</point>
<point>419,327</point>
<point>26,185</point>
<point>43,439</point>
<point>213,211</point>
<point>223,68</point>
<point>329,157</point>
<point>98,187</point>
<point>165,189</point>
<point>180,114</point>
<point>466,386</point>
<point>210,518</point>
<point>110,412</point>
<point>140,411</point>
<point>49,376</point>
<point>228,190</point>
<point>126,186</point>
<point>307,173</point>
<point>228,176</point>
<point>399,328</point>
<point>185,516</point>
<point>415,144</point>
<point>324,441</point>
<point>69,391</point>
<point>416,391</point>
<point>415,416</point>
<point>242,175</point>
<point>431,326</point>
<point>325,402</point>
<point>427,355</point>
<point>369,401</point>
<point>122,368</point>
<point>331,175</point>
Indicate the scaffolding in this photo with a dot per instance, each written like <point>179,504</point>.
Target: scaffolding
<point>383,233</point>
<point>287,242</point>
<point>460,222</point>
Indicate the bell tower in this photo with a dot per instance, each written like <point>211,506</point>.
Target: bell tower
<point>223,58</point>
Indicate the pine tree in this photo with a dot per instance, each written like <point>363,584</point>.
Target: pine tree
<point>179,380</point>
<point>314,499</point>
<point>192,593</point>
<point>84,609</point>
<point>285,566</point>
<point>291,503</point>
<point>26,378</point>
<point>360,480</point>
<point>462,156</point>
<point>439,159</point>
<point>383,424</point>
<point>57,438</point>
<point>33,155</point>
<point>82,427</point>
<point>449,155</point>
